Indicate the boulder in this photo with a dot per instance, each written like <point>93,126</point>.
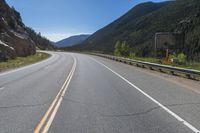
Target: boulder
<point>6,52</point>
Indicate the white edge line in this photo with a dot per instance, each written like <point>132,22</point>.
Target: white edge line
<point>154,100</point>
<point>28,66</point>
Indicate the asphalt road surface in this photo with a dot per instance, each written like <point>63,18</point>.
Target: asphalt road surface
<point>77,93</point>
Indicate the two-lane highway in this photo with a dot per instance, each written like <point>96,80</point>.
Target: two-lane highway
<point>76,93</point>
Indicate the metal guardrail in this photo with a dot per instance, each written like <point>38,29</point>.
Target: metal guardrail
<point>189,73</point>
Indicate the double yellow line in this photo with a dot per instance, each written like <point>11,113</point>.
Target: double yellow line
<point>49,116</point>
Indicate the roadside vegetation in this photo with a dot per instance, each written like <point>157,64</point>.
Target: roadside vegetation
<point>22,61</point>
<point>122,49</point>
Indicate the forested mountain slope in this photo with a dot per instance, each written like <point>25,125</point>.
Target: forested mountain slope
<point>139,25</point>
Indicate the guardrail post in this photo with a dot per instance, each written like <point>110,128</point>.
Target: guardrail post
<point>151,68</point>
<point>172,72</point>
<point>188,76</point>
<point>160,70</point>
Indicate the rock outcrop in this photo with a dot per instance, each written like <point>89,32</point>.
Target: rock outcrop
<point>15,40</point>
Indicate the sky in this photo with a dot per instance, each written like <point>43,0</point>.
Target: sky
<point>59,19</point>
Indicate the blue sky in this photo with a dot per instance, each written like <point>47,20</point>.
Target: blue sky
<point>58,19</point>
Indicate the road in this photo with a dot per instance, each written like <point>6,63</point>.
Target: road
<point>77,93</point>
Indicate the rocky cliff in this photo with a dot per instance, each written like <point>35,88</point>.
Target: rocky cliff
<point>15,38</point>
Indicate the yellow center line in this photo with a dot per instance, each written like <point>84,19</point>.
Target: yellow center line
<point>46,128</point>
<point>54,108</point>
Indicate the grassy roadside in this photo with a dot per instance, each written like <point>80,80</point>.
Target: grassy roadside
<point>147,59</point>
<point>190,65</point>
<point>22,61</point>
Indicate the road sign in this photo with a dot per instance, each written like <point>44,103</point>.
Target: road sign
<point>169,40</point>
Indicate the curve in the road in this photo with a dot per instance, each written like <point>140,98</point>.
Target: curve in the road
<point>49,116</point>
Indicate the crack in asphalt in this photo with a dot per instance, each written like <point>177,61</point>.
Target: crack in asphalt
<point>79,102</point>
<point>149,110</point>
<point>94,104</point>
<point>25,106</point>
<point>112,115</point>
<point>131,114</point>
<point>181,104</point>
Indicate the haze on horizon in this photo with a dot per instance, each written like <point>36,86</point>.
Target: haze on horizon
<point>59,19</point>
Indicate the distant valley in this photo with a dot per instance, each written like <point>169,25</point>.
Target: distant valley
<point>71,41</point>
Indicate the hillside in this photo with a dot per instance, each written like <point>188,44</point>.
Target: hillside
<point>15,38</point>
<point>70,41</point>
<point>139,25</point>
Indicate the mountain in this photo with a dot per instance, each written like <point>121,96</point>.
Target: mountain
<point>138,27</point>
<point>15,38</point>
<point>73,40</point>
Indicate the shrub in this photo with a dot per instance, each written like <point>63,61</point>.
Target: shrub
<point>122,49</point>
<point>125,49</point>
<point>117,51</point>
<point>132,55</point>
<point>182,58</point>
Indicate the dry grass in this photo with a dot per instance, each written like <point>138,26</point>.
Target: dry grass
<point>22,61</point>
